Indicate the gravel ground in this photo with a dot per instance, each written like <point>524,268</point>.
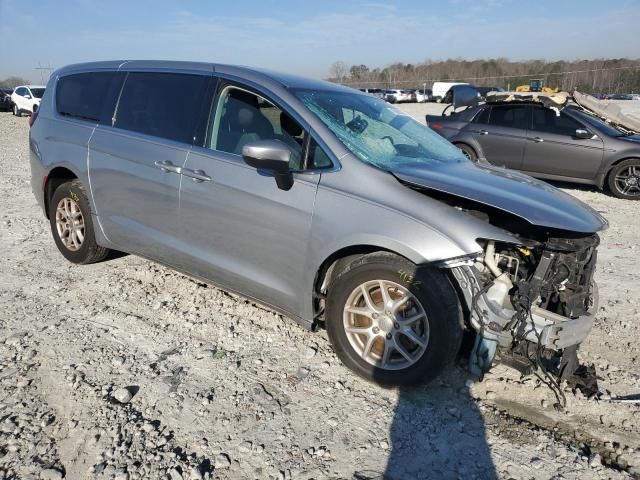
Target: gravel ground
<point>126,369</point>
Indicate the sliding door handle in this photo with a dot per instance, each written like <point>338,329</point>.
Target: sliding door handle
<point>537,139</point>
<point>484,132</point>
<point>197,176</point>
<point>166,166</point>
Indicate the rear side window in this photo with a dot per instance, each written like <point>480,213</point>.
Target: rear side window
<point>166,105</point>
<point>88,96</point>
<point>514,116</point>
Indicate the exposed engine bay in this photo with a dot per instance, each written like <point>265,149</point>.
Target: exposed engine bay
<point>531,304</point>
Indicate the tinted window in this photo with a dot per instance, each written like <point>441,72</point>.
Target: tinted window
<point>165,105</point>
<point>242,117</point>
<point>483,116</point>
<point>85,95</point>
<point>514,116</point>
<point>37,92</point>
<point>546,120</point>
<point>21,91</point>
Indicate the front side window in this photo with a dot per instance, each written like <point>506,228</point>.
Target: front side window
<point>483,116</point>
<point>514,116</point>
<point>376,132</point>
<point>547,120</point>
<point>165,105</point>
<point>242,117</point>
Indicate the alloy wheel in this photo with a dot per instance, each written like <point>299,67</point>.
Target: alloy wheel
<point>386,324</point>
<point>628,181</point>
<point>70,224</point>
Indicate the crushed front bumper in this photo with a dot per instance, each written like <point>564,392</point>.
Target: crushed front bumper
<point>547,329</point>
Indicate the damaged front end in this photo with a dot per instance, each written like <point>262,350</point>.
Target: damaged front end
<point>532,305</point>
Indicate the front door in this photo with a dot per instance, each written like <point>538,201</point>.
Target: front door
<point>241,231</point>
<point>553,149</point>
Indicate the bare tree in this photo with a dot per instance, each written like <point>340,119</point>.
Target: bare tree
<point>339,71</point>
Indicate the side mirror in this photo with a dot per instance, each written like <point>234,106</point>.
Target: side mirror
<point>272,156</point>
<point>27,96</point>
<point>583,134</point>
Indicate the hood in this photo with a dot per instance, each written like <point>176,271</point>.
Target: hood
<point>535,201</point>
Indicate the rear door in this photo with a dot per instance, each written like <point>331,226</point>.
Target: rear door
<point>501,132</point>
<point>553,149</point>
<point>136,158</point>
<point>240,230</point>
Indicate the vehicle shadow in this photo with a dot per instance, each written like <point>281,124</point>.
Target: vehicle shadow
<point>575,186</point>
<point>437,432</point>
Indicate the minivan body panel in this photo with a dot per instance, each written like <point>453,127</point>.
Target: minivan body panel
<point>240,230</point>
<point>135,200</point>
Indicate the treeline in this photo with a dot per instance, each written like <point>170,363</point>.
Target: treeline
<point>12,82</point>
<point>620,75</point>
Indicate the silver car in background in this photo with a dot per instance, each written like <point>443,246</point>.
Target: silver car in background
<point>322,202</point>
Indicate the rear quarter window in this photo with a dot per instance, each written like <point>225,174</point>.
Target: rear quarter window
<point>88,96</point>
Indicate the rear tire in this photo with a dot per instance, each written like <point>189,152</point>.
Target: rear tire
<point>72,225</point>
<point>422,335</point>
<point>468,152</point>
<point>624,179</point>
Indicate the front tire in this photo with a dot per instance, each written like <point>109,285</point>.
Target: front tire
<point>392,322</point>
<point>624,179</point>
<point>16,111</point>
<point>72,225</point>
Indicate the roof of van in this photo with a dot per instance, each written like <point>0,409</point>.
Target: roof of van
<point>249,73</point>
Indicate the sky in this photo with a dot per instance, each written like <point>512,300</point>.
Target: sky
<point>306,37</point>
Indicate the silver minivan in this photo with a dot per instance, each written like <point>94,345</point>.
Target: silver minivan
<point>324,203</point>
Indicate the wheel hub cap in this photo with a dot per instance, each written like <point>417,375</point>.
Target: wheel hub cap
<point>386,324</point>
<point>70,224</point>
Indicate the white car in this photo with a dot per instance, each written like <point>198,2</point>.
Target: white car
<point>26,99</point>
<point>440,89</point>
<point>423,96</point>
<point>395,95</point>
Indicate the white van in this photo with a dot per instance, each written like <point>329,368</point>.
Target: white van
<point>440,89</point>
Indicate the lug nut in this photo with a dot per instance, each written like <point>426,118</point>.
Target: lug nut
<point>388,336</point>
<point>396,325</point>
<point>376,329</point>
<point>374,315</point>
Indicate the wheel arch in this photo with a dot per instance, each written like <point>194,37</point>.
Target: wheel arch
<point>55,178</point>
<point>336,261</point>
<point>466,143</point>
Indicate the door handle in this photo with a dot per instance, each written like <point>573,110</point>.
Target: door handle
<point>484,132</point>
<point>166,166</point>
<point>537,139</point>
<point>197,176</point>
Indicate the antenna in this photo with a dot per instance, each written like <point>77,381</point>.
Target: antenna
<point>42,70</point>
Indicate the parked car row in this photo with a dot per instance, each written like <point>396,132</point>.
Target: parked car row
<point>441,92</point>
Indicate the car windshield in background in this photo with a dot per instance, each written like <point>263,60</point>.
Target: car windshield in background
<point>37,92</point>
<point>376,132</point>
<point>599,124</point>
